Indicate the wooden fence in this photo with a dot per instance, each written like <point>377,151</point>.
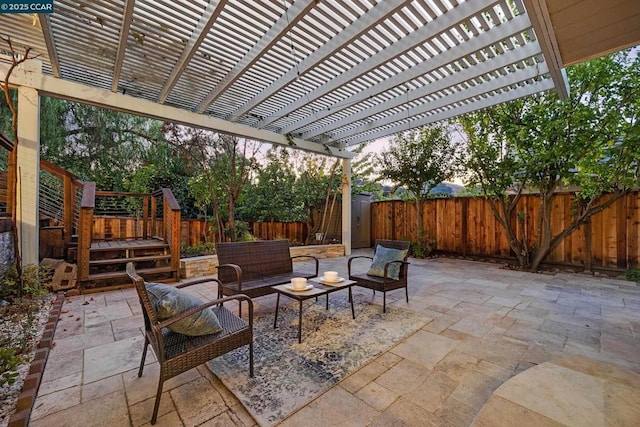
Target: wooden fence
<point>194,231</point>
<point>466,226</point>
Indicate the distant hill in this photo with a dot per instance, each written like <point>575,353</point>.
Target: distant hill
<point>442,188</point>
<point>447,188</point>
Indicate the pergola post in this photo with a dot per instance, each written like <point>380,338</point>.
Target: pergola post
<point>346,205</point>
<point>28,173</point>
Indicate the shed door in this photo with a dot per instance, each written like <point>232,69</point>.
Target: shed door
<point>360,221</point>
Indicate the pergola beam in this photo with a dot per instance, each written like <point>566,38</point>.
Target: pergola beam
<point>201,31</point>
<point>47,35</point>
<point>288,20</point>
<point>543,27</point>
<point>122,43</point>
<point>29,75</point>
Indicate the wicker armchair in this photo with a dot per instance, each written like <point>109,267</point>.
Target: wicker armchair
<point>178,353</point>
<point>383,284</point>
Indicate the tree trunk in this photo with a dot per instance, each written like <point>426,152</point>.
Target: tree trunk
<point>544,232</point>
<point>232,223</point>
<point>420,227</point>
<point>503,211</point>
<point>584,217</point>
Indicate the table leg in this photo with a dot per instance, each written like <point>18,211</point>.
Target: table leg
<point>275,319</point>
<point>300,324</point>
<point>327,306</point>
<point>353,313</point>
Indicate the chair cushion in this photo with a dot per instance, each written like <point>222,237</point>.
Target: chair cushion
<point>168,301</point>
<point>382,257</point>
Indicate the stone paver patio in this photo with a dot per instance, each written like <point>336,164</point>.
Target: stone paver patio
<point>489,325</point>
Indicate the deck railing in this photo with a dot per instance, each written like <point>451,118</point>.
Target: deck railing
<point>156,215</point>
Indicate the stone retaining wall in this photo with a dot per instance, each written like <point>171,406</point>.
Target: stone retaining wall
<point>206,265</point>
<point>7,250</point>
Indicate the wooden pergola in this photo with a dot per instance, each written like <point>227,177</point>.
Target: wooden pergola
<point>320,75</point>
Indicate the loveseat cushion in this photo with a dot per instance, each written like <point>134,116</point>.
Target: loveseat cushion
<point>382,257</point>
<point>168,301</point>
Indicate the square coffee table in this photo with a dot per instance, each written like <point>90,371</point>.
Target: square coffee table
<point>319,288</point>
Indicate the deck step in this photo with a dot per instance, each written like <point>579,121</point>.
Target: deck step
<point>122,245</point>
<point>130,259</point>
<point>119,274</point>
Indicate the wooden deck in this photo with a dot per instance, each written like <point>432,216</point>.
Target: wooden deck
<point>150,256</point>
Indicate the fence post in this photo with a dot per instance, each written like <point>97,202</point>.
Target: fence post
<point>85,231</point>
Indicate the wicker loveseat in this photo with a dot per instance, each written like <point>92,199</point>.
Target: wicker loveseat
<point>252,268</point>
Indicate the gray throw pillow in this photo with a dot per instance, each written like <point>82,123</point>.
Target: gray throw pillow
<point>382,257</point>
<point>168,301</point>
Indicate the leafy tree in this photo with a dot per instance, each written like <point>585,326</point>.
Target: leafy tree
<point>590,140</point>
<point>419,160</point>
<point>363,173</point>
<point>316,189</point>
<point>225,164</point>
<point>271,197</point>
<point>160,167</point>
<point>97,144</point>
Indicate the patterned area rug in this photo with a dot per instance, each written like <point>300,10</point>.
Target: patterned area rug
<point>288,375</point>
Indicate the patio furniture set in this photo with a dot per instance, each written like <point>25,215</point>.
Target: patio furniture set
<point>185,332</point>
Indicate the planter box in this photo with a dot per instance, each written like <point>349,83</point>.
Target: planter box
<point>206,265</point>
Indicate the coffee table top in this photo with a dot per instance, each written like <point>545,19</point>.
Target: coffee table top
<point>319,288</point>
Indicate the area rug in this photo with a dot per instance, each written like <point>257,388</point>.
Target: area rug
<point>288,375</point>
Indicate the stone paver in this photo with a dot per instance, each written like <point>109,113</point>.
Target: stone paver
<point>503,347</point>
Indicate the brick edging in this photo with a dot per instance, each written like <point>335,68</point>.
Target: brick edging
<point>32,381</point>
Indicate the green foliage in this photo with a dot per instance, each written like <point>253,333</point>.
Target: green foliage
<point>31,284</point>
<point>316,188</point>
<point>225,164</point>
<point>9,362</point>
<point>18,333</point>
<point>633,274</point>
<point>540,143</point>
<point>96,144</point>
<point>363,172</point>
<point>419,160</point>
<point>470,191</point>
<point>207,248</point>
<point>242,232</point>
<point>422,246</point>
<point>270,197</point>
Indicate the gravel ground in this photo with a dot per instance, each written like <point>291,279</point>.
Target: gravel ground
<point>13,329</point>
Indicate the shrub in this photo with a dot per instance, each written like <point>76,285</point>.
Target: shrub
<point>33,279</point>
<point>246,236</point>
<point>9,362</point>
<point>208,248</point>
<point>422,246</point>
<point>633,274</point>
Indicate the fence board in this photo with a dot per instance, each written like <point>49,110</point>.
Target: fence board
<point>633,231</point>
